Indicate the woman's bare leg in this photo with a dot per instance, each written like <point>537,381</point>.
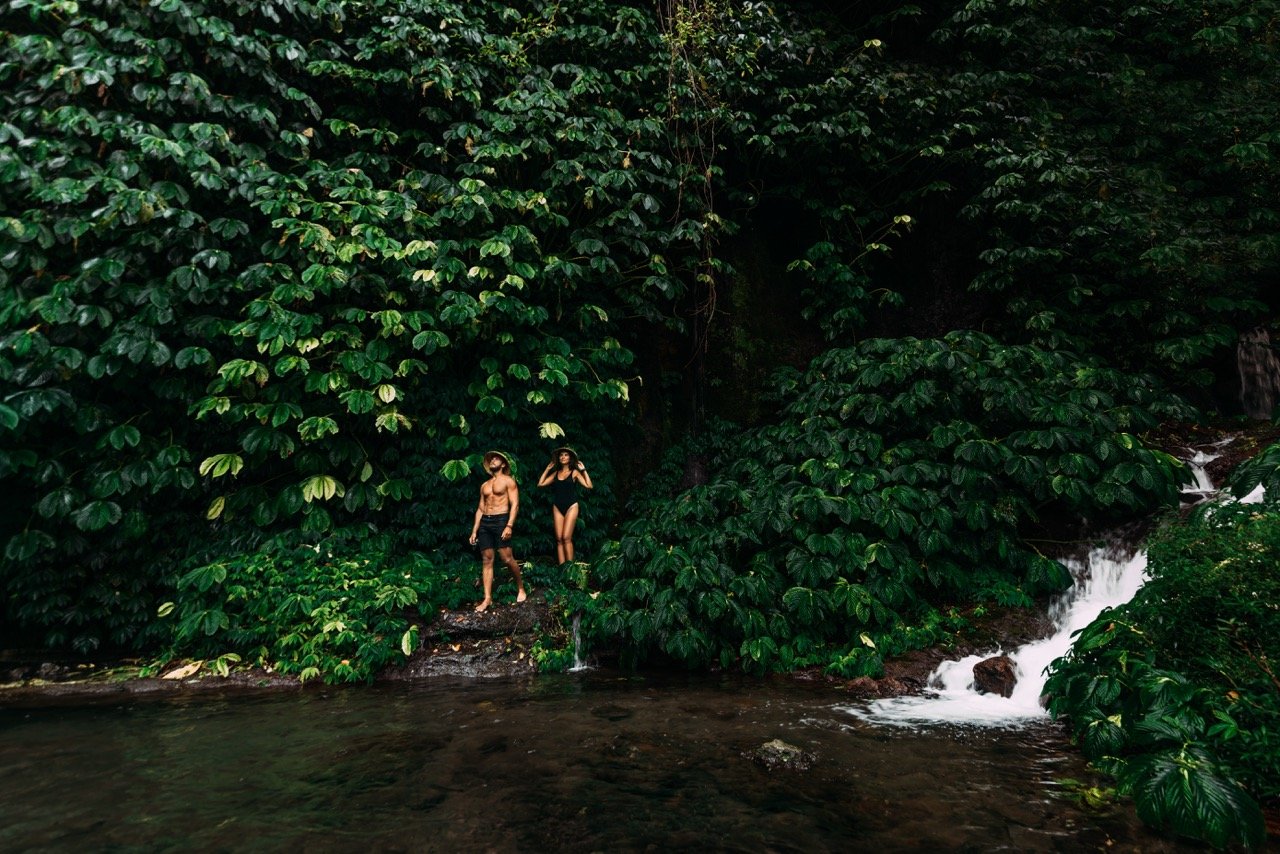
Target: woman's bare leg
<point>570,520</point>
<point>558,519</point>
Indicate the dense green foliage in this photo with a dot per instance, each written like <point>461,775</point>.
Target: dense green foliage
<point>248,251</point>
<point>1133,212</point>
<point>902,472</point>
<point>310,611</point>
<point>291,267</point>
<point>1176,693</point>
<point>1261,470</point>
<point>338,611</point>
<point>274,275</point>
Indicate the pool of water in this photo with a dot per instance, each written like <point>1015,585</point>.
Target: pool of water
<point>579,762</point>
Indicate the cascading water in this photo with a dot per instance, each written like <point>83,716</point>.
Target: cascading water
<point>578,663</point>
<point>1108,576</point>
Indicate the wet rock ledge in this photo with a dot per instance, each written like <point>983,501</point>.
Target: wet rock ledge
<point>990,628</point>
<point>464,643</point>
<point>497,643</point>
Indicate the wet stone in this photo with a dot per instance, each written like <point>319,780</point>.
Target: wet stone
<point>866,688</point>
<point>778,754</point>
<point>995,675</point>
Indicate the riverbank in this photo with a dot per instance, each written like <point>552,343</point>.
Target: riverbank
<point>501,642</point>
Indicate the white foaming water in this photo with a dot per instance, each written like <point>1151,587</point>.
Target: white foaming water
<point>1203,487</point>
<point>1109,576</point>
<point>578,663</point>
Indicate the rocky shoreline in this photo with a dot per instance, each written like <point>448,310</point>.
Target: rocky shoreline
<point>495,644</point>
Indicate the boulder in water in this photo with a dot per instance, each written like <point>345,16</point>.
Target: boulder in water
<point>777,754</point>
<point>995,675</point>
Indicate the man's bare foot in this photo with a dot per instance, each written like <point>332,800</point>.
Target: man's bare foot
<point>483,606</point>
<point>520,596</point>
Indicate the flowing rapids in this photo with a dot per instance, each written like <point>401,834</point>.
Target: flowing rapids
<point>1108,576</point>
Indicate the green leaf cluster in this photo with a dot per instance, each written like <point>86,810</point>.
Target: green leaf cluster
<point>327,611</point>
<point>902,474</point>
<point>1176,692</point>
<point>1260,470</point>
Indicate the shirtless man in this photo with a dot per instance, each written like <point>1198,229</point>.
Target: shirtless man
<point>495,516</point>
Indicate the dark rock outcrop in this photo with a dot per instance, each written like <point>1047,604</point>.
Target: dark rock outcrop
<point>778,754</point>
<point>866,688</point>
<point>464,643</point>
<point>995,675</point>
<point>495,643</point>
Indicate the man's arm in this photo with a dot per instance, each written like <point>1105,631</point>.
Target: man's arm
<point>513,498</point>
<point>475,526</point>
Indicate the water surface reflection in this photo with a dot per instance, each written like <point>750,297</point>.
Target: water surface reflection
<point>580,762</point>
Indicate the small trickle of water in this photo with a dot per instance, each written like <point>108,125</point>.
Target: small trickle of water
<point>578,663</point>
<point>1108,576</point>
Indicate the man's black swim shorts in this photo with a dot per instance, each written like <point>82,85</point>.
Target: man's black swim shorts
<point>489,535</point>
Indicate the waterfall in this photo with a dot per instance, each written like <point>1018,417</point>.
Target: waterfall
<point>578,663</point>
<point>1109,575</point>
<point>1259,366</point>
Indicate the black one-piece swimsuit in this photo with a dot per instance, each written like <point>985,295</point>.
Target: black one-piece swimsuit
<point>564,493</point>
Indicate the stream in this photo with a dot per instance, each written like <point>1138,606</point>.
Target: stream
<point>574,762</point>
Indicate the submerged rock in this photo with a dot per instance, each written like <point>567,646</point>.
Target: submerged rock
<point>777,754</point>
<point>995,675</point>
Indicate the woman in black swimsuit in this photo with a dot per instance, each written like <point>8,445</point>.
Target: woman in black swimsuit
<point>563,474</point>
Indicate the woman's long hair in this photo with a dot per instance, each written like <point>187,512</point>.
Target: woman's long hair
<point>573,458</point>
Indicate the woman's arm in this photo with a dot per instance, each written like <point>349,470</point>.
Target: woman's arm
<point>582,476</point>
<point>548,474</point>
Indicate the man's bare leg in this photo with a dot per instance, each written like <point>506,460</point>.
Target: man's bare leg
<point>514,566</point>
<point>486,578</point>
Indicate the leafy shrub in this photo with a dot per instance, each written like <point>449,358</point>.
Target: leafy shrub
<point>257,254</point>
<point>1095,233</point>
<point>1176,693</point>
<point>326,611</point>
<point>1262,470</point>
<point>902,473</point>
